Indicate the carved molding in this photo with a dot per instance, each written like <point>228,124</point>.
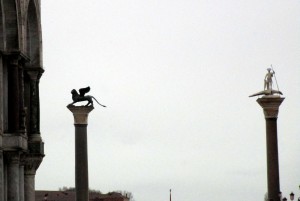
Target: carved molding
<point>16,56</point>
<point>32,163</point>
<point>270,105</point>
<point>14,142</point>
<point>80,113</point>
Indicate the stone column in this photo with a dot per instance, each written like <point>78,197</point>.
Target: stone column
<point>80,114</point>
<point>22,110</point>
<point>13,95</point>
<point>21,179</point>
<point>32,163</point>
<point>2,182</point>
<point>34,99</point>
<point>29,186</point>
<point>1,99</point>
<point>270,105</point>
<point>13,176</point>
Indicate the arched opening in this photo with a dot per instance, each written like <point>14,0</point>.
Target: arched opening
<point>33,36</point>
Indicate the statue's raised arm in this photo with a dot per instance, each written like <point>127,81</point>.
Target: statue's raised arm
<point>79,97</point>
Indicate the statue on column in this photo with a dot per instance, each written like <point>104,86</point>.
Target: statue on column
<point>268,81</point>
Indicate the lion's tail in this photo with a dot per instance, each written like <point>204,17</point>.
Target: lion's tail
<point>98,102</point>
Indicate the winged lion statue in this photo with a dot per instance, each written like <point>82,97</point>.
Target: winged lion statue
<point>79,97</point>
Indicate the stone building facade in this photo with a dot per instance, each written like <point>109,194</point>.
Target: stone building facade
<point>21,145</point>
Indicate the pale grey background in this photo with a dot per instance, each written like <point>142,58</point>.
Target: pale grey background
<point>175,75</point>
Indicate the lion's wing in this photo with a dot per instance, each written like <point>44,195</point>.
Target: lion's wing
<point>83,91</point>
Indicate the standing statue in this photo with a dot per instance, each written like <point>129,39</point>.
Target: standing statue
<point>268,84</point>
<point>81,97</point>
<point>268,79</point>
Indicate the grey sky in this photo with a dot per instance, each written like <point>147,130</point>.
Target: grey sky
<point>176,76</point>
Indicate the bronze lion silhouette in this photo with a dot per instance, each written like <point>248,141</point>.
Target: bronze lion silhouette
<point>79,97</point>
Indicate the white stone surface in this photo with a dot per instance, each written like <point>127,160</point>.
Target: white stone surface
<point>80,113</point>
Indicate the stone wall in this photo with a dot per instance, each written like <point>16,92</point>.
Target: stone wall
<point>21,145</point>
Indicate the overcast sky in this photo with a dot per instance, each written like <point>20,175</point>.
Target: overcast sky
<point>175,76</point>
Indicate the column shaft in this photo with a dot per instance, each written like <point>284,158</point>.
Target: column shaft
<point>22,123</point>
<point>2,181</point>
<point>1,99</point>
<point>31,164</point>
<point>13,98</point>
<point>29,187</point>
<point>13,181</point>
<point>80,114</point>
<point>21,172</point>
<point>33,107</point>
<point>270,105</point>
<point>272,159</point>
<point>81,163</point>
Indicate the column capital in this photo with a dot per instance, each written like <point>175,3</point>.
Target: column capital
<point>34,72</point>
<point>270,105</point>
<point>32,163</point>
<point>80,113</point>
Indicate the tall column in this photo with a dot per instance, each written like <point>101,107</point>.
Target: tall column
<point>21,180</point>
<point>13,94</point>
<point>22,123</point>
<point>32,163</point>
<point>29,186</point>
<point>270,105</point>
<point>34,99</point>
<point>2,182</point>
<point>13,176</point>
<point>1,98</point>
<point>80,114</point>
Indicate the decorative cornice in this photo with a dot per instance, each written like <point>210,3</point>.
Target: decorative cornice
<point>12,142</point>
<point>80,113</point>
<point>270,105</point>
<point>19,55</point>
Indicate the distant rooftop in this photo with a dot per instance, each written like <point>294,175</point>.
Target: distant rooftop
<point>70,196</point>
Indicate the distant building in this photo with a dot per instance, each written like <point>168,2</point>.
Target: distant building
<point>70,196</point>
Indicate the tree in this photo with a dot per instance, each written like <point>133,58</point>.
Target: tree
<point>127,194</point>
<point>65,188</point>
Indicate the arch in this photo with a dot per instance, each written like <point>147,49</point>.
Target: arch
<point>33,45</point>
<point>10,24</point>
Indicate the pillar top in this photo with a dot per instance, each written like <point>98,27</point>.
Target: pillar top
<point>80,113</point>
<point>270,105</point>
